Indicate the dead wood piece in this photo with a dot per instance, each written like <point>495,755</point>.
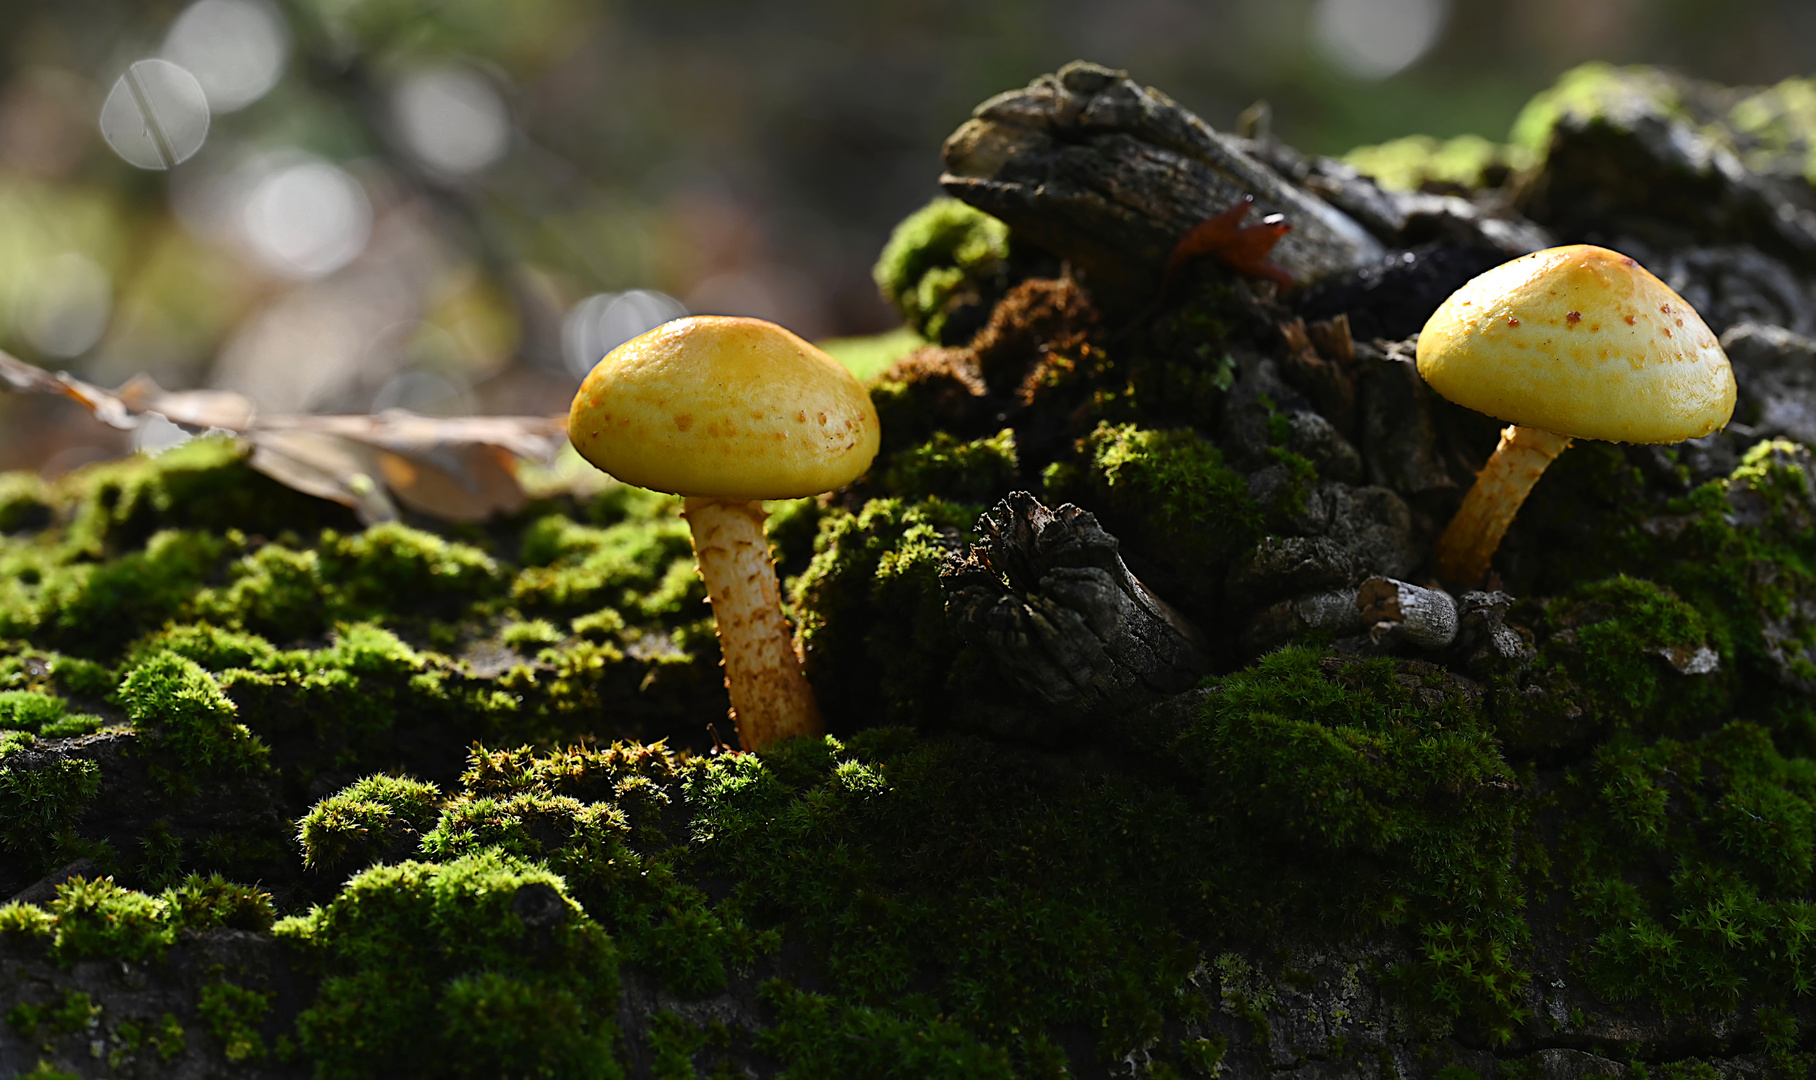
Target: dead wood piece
<point>1109,176</point>
<point>1396,611</point>
<point>1046,593</point>
<point>1387,611</point>
<point>1329,381</point>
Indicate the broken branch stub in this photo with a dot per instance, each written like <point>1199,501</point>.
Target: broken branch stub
<point>1046,593</point>
<point>1109,175</point>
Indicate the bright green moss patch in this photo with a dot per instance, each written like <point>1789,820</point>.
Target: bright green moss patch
<point>96,918</point>
<point>980,471</point>
<point>1589,91</point>
<point>188,725</point>
<point>934,256</point>
<point>1168,495</point>
<point>373,816</point>
<point>871,614</point>
<point>530,633</point>
<point>518,980</point>
<point>1418,161</point>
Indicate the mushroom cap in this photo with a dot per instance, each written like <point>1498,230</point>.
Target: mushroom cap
<point>729,408</point>
<point>1579,341</point>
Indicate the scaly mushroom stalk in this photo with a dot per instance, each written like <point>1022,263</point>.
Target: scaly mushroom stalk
<point>770,697</point>
<point>1473,536</point>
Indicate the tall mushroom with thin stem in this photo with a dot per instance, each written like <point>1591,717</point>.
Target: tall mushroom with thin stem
<point>1574,342</point>
<point>728,412</point>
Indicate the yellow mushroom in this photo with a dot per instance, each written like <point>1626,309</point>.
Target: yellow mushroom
<point>728,412</point>
<point>1574,342</point>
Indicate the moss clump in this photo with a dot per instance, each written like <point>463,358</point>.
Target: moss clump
<point>41,804</point>
<point>1420,162</point>
<point>488,949</point>
<point>96,918</point>
<point>1171,499</point>
<point>234,1014</point>
<point>1592,90</point>
<point>42,714</point>
<point>824,1039</point>
<point>24,503</point>
<point>871,615</point>
<point>944,254</point>
<point>189,727</point>
<point>374,817</point>
<point>73,1012</point>
<point>576,810</point>
<point>980,471</point>
<point>641,567</point>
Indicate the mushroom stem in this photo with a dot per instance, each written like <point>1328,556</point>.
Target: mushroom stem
<point>770,697</point>
<point>1469,542</point>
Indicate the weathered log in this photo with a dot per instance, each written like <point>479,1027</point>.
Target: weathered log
<point>1046,593</point>
<point>1109,176</point>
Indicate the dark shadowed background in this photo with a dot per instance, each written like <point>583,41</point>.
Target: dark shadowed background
<point>457,206</point>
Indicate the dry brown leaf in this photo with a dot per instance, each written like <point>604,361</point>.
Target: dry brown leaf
<point>459,468</point>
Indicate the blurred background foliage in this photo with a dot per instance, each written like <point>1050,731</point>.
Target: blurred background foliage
<point>458,205</point>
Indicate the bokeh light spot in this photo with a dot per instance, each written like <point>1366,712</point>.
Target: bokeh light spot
<point>1372,39</point>
<point>235,48</point>
<point>156,115</point>
<point>452,119</point>
<point>308,219</point>
<point>67,308</point>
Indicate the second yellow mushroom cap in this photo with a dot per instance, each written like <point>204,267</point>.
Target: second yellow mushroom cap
<point>730,408</point>
<point>1579,341</point>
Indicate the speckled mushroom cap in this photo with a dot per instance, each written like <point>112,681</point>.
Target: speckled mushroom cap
<point>729,408</point>
<point>1579,341</point>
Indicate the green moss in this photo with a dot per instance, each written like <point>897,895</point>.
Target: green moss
<point>818,1038</point>
<point>366,820</point>
<point>25,710</point>
<point>41,805</point>
<point>24,503</point>
<point>1587,91</point>
<point>206,903</point>
<point>168,1039</point>
<point>97,918</point>
<point>642,567</point>
<point>1417,161</point>
<point>1772,125</point>
<point>518,979</point>
<point>870,611</point>
<point>673,1042</point>
<point>72,1013</point>
<point>188,726</point>
<point>532,632</point>
<point>935,255</point>
<point>980,471</point>
<point>234,1015</point>
<point>1169,496</point>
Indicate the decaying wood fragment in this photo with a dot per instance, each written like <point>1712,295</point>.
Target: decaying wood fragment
<point>1397,611</point>
<point>1046,593</point>
<point>1320,363</point>
<point>1109,176</point>
<point>1388,611</point>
